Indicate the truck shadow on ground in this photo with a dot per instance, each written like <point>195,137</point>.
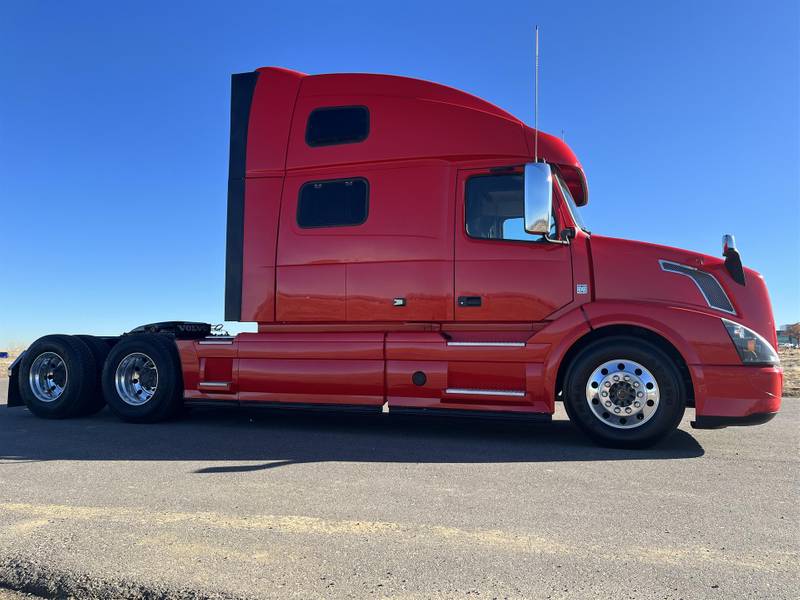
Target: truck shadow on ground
<point>275,439</point>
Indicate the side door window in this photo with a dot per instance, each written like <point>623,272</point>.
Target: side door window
<point>494,209</point>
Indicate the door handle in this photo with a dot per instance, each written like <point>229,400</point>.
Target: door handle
<point>469,300</point>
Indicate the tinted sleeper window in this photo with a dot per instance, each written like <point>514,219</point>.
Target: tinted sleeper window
<point>337,125</point>
<point>333,203</point>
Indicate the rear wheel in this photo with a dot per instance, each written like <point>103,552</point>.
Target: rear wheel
<point>142,380</point>
<point>58,378</point>
<point>624,392</point>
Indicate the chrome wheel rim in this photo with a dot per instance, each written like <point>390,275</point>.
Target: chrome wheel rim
<point>622,394</point>
<point>136,379</point>
<point>48,377</point>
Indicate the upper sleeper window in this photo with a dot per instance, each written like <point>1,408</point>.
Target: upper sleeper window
<point>337,125</point>
<point>336,203</point>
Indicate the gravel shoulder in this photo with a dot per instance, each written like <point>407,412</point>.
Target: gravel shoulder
<point>6,594</point>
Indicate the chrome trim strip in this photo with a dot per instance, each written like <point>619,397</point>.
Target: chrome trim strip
<point>662,262</point>
<point>215,383</point>
<point>461,391</point>
<point>489,344</point>
<point>215,343</point>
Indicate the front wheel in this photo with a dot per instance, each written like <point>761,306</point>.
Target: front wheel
<point>624,392</point>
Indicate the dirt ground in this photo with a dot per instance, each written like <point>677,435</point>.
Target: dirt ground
<point>6,362</point>
<point>790,361</point>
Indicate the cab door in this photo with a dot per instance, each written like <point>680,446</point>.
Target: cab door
<point>503,273</point>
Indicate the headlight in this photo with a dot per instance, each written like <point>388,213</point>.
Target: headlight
<point>752,348</point>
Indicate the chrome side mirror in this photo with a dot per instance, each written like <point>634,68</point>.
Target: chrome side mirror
<point>538,198</point>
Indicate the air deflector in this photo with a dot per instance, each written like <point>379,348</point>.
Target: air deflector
<point>242,87</point>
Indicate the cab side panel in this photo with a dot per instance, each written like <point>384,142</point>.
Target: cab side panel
<point>262,207</point>
<point>403,251</point>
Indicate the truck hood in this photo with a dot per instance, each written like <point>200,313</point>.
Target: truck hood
<point>631,270</point>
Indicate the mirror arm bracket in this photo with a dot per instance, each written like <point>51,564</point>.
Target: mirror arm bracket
<point>567,234</point>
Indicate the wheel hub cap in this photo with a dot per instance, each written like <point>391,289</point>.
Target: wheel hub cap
<point>136,379</point>
<point>48,377</point>
<point>622,394</point>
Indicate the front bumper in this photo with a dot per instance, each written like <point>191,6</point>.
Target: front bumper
<point>736,395</point>
<point>722,422</point>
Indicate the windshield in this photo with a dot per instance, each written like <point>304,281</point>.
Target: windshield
<point>573,208</point>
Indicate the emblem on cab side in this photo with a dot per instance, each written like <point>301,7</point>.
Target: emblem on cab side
<point>582,288</point>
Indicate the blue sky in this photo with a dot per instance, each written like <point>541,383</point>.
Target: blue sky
<point>114,130</point>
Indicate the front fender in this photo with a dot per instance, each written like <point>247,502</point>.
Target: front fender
<point>559,335</point>
<point>699,336</point>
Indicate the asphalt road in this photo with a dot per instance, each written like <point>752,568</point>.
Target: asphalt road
<point>234,503</point>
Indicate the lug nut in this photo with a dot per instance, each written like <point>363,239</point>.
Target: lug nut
<point>627,378</point>
<point>608,402</point>
<point>616,377</point>
<point>640,394</point>
<point>637,404</point>
<point>616,410</point>
<point>604,394</point>
<point>635,384</point>
<point>628,409</point>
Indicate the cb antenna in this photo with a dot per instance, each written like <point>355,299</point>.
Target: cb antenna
<point>536,101</point>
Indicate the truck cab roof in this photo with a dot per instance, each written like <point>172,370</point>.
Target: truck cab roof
<point>407,119</point>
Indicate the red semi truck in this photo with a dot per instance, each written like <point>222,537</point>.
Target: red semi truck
<point>407,247</point>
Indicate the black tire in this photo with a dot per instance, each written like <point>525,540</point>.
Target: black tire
<point>167,397</point>
<point>596,421</point>
<point>79,382</point>
<point>99,349</point>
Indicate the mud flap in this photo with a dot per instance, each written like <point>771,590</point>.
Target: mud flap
<point>14,398</point>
